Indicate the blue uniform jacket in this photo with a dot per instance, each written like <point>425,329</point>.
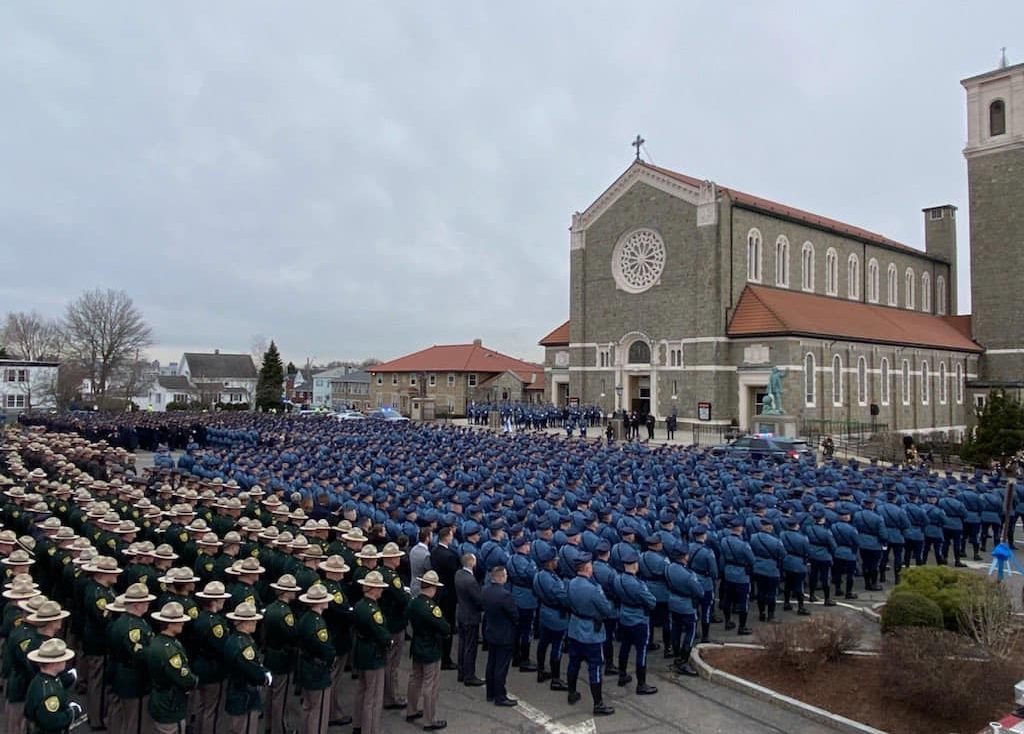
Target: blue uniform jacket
<point>685,591</point>
<point>652,571</point>
<point>798,551</point>
<point>567,556</point>
<point>521,570</point>
<point>553,597</point>
<point>605,575</point>
<point>955,513</point>
<point>972,506</point>
<point>917,516</point>
<point>936,517</point>
<point>871,528</point>
<point>847,541</point>
<point>768,555</point>
<point>589,607</point>
<point>635,600</point>
<point>992,508</point>
<point>737,559</point>
<point>896,522</point>
<point>704,563</point>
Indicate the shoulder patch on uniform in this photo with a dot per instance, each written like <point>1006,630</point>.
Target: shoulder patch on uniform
<point>175,661</point>
<point>339,598</point>
<point>396,582</point>
<point>135,634</point>
<point>322,634</point>
<point>101,604</point>
<point>51,551</point>
<point>378,617</point>
<point>112,543</point>
<point>24,644</point>
<point>218,631</point>
<point>250,654</point>
<point>52,704</point>
<point>289,619</point>
<point>183,536</point>
<point>436,612</point>
<point>193,612</point>
<point>184,672</point>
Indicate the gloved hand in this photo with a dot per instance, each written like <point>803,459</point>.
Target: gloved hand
<point>268,679</point>
<point>73,672</point>
<point>76,710</point>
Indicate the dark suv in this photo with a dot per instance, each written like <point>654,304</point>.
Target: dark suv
<point>758,446</point>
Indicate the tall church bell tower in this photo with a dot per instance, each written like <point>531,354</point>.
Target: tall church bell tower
<point>995,174</point>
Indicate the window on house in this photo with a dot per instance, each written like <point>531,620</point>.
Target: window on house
<point>16,401</point>
<point>432,381</point>
<point>853,277</point>
<point>893,286</point>
<point>837,380</point>
<point>380,379</point>
<point>412,380</point>
<point>782,262</point>
<point>675,357</point>
<point>935,214</point>
<point>997,118</point>
<point>604,357</point>
<point>22,375</point>
<point>158,398</point>
<point>926,292</point>
<point>807,267</point>
<point>942,383</point>
<point>862,381</point>
<point>831,272</point>
<point>471,379</point>
<point>905,382</point>
<point>809,380</point>
<point>925,383</point>
<point>940,295</point>
<point>979,401</point>
<point>639,352</point>
<point>959,387</point>
<point>451,379</point>
<point>394,379</point>
<point>754,256</point>
<point>885,381</point>
<point>873,280</point>
<point>180,398</point>
<point>908,287</point>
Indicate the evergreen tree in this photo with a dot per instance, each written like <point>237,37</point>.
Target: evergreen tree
<point>270,385</point>
<point>999,433</point>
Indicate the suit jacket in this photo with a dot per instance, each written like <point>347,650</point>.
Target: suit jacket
<point>445,562</point>
<point>419,564</point>
<point>470,596</point>
<point>502,616</point>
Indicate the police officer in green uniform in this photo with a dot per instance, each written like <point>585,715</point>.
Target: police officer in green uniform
<point>210,633</point>
<point>393,602</point>
<point>48,708</point>
<point>429,628</point>
<point>98,594</point>
<point>246,573</point>
<point>317,654</point>
<point>370,653</point>
<point>339,622</point>
<point>169,672</point>
<point>245,672</point>
<point>279,645</point>
<point>129,636</point>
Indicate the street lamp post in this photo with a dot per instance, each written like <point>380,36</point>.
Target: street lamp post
<point>618,397</point>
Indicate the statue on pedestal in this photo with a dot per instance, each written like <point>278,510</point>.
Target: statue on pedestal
<point>772,403</point>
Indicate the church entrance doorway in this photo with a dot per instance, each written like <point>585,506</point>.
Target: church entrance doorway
<point>640,393</point>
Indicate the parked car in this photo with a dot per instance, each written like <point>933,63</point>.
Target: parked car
<point>386,414</point>
<point>349,415</point>
<point>758,446</point>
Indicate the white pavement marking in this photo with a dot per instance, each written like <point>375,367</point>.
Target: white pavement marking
<point>540,718</point>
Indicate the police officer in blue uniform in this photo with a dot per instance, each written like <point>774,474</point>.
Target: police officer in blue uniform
<point>704,563</point>
<point>553,599</point>
<point>847,546</point>
<point>588,609</point>
<point>605,575</point>
<point>794,565</point>
<point>636,602</point>
<point>769,553</point>
<point>685,596</point>
<point>737,564</point>
<point>521,570</point>
<point>652,570</point>
<point>872,534</point>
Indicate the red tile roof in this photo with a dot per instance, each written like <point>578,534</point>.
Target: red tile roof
<point>559,337</point>
<point>763,311</point>
<point>458,358</point>
<point>799,215</point>
<point>530,380</point>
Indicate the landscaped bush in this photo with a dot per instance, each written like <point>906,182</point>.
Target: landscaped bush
<point>804,646</point>
<point>987,618</point>
<point>784,645</point>
<point>949,588</point>
<point>828,637</point>
<point>910,609</point>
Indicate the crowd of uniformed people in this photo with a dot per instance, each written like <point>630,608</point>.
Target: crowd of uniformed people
<point>289,556</point>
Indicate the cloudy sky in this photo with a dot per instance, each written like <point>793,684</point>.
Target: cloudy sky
<point>357,179</point>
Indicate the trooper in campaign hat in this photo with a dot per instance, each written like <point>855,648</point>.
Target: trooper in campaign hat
<point>429,628</point>
<point>130,634</point>
<point>48,707</point>
<point>313,674</point>
<point>246,673</point>
<point>210,630</point>
<point>280,652</point>
<point>393,603</point>
<point>170,673</point>
<point>369,655</point>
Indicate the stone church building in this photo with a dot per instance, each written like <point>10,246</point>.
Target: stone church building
<point>684,294</point>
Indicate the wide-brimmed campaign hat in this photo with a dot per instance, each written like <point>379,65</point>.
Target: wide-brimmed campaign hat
<point>210,540</point>
<point>102,564</point>
<point>368,551</point>
<point>391,550</point>
<point>213,590</point>
<point>245,612</point>
<point>374,580</point>
<point>53,650</point>
<point>317,594</point>
<point>18,558</point>
<point>244,566</point>
<point>22,588</point>
<point>171,613</point>
<point>137,594</point>
<point>334,564</point>
<point>286,583</point>
<point>178,576</point>
<point>49,611</point>
<point>430,578</point>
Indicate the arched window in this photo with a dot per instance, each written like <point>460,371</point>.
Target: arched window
<point>942,382</point>
<point>958,388</point>
<point>837,380</point>
<point>782,261</point>
<point>997,118</point>
<point>862,381</point>
<point>905,382</point>
<point>925,382</point>
<point>940,295</point>
<point>926,292</point>
<point>640,352</point>
<point>831,272</point>
<point>885,381</point>
<point>807,267</point>
<point>754,256</point>
<point>908,288</point>
<point>853,277</point>
<point>810,382</point>
<point>873,280</point>
<point>893,291</point>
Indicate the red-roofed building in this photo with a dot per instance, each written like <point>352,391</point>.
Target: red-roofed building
<point>455,375</point>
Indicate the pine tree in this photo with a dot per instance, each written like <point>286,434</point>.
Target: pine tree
<point>270,385</point>
<point>999,433</point>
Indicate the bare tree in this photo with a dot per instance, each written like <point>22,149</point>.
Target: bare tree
<point>258,345</point>
<point>103,329</point>
<point>32,336</point>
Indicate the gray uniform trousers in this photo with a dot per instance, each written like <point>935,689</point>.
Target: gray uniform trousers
<point>369,702</point>
<point>424,680</point>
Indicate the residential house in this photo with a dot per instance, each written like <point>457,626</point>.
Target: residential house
<point>27,385</point>
<point>220,378</point>
<point>167,389</point>
<point>341,387</point>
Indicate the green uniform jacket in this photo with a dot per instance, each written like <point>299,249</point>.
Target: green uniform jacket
<point>246,674</point>
<point>171,679</point>
<point>279,638</point>
<point>94,606</point>
<point>429,629</point>
<point>136,573</point>
<point>241,592</point>
<point>209,632</point>
<point>306,577</point>
<point>46,705</point>
<point>129,636</point>
<point>339,617</point>
<point>372,636</point>
<point>316,653</point>
<point>23,640</point>
<point>394,601</point>
<point>205,568</point>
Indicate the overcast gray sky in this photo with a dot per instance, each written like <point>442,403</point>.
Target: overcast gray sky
<point>357,179</point>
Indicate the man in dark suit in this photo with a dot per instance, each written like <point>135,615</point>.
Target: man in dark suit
<point>469,614</point>
<point>445,562</point>
<point>500,635</point>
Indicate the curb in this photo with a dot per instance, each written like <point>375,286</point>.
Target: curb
<point>841,723</point>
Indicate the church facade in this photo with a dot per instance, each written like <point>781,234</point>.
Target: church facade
<point>684,295</point>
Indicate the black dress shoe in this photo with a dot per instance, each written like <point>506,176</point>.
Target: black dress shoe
<point>413,717</point>
<point>449,665</point>
<point>506,702</point>
<point>744,631</point>
<point>558,685</point>
<point>343,721</point>
<point>396,706</point>
<point>473,682</point>
<point>527,667</point>
<point>574,697</point>
<point>603,709</point>
<point>436,726</point>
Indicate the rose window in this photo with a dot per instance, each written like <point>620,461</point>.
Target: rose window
<point>638,261</point>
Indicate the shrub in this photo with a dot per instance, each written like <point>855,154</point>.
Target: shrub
<point>910,609</point>
<point>828,637</point>
<point>782,645</point>
<point>987,618</point>
<point>947,587</point>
